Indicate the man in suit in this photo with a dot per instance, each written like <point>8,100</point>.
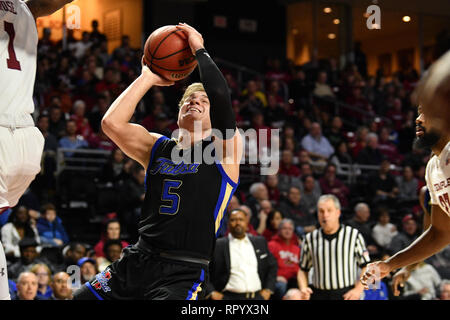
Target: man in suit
<point>243,267</point>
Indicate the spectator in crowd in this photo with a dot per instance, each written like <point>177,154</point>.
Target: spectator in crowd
<point>124,49</point>
<point>79,48</point>
<point>60,288</point>
<point>96,36</point>
<point>287,166</point>
<point>248,216</point>
<point>83,127</point>
<point>57,123</point>
<point>300,89</point>
<point>444,290</point>
<point>114,170</point>
<point>274,114</point>
<point>423,280</point>
<point>292,208</point>
<point>285,248</point>
<point>272,188</point>
<point>387,148</point>
<point>317,145</point>
<point>272,224</point>
<point>334,134</point>
<point>258,192</point>
<point>242,267</point>
<point>253,101</point>
<point>111,250</point>
<point>407,185</point>
<point>310,194</point>
<point>360,103</point>
<point>44,276</point>
<point>133,193</point>
<point>88,269</point>
<point>407,236</point>
<point>396,115</point>
<point>358,142</point>
<point>27,286</point>
<point>112,232</point>
<point>383,232</point>
<point>382,185</point>
<point>361,222</point>
<point>322,89</point>
<point>96,115</point>
<point>51,142</point>
<point>266,208</point>
<point>371,154</point>
<point>20,227</point>
<point>73,252</point>
<point>28,257</point>
<point>342,158</point>
<point>326,283</point>
<point>72,140</point>
<point>50,228</point>
<point>330,184</point>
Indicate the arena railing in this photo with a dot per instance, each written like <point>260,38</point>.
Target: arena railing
<point>339,107</point>
<point>91,160</point>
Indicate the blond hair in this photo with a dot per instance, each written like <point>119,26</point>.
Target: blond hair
<point>34,269</point>
<point>194,87</point>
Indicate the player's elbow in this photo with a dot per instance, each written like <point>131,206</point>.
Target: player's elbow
<point>108,125</point>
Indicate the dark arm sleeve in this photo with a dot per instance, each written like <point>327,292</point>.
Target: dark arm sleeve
<point>221,112</point>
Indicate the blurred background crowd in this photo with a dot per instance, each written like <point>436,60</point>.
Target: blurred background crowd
<point>342,132</point>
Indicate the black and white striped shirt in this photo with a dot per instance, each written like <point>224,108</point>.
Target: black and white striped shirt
<point>335,258</point>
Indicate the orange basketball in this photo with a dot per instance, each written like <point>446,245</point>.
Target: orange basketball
<point>167,53</point>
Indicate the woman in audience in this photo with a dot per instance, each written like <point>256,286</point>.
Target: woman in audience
<point>44,276</point>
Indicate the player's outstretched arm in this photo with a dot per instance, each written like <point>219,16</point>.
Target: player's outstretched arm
<point>222,116</point>
<point>401,276</point>
<point>134,140</point>
<point>41,8</point>
<point>429,243</point>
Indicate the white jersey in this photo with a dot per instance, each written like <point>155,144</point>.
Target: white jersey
<point>437,177</point>
<point>18,55</point>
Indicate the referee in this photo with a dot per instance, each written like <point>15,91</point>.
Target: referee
<point>334,251</point>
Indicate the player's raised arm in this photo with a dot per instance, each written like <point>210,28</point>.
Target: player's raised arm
<point>42,8</point>
<point>132,138</point>
<point>221,112</point>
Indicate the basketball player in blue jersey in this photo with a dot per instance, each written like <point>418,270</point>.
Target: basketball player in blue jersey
<point>184,202</point>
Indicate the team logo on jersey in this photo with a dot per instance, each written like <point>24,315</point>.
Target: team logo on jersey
<point>101,280</point>
<point>167,166</point>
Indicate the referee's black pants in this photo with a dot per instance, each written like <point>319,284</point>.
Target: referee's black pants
<point>337,294</point>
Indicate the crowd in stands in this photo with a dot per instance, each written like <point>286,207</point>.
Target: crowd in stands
<point>343,132</point>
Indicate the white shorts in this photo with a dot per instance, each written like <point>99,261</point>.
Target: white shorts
<point>20,161</point>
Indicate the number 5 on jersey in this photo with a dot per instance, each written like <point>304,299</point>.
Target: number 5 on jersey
<point>168,195</point>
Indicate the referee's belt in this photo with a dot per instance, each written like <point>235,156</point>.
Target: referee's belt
<point>143,245</point>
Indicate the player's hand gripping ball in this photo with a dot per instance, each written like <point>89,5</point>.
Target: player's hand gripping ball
<point>167,53</point>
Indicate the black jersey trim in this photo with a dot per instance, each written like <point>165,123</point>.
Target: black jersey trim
<point>225,175</point>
